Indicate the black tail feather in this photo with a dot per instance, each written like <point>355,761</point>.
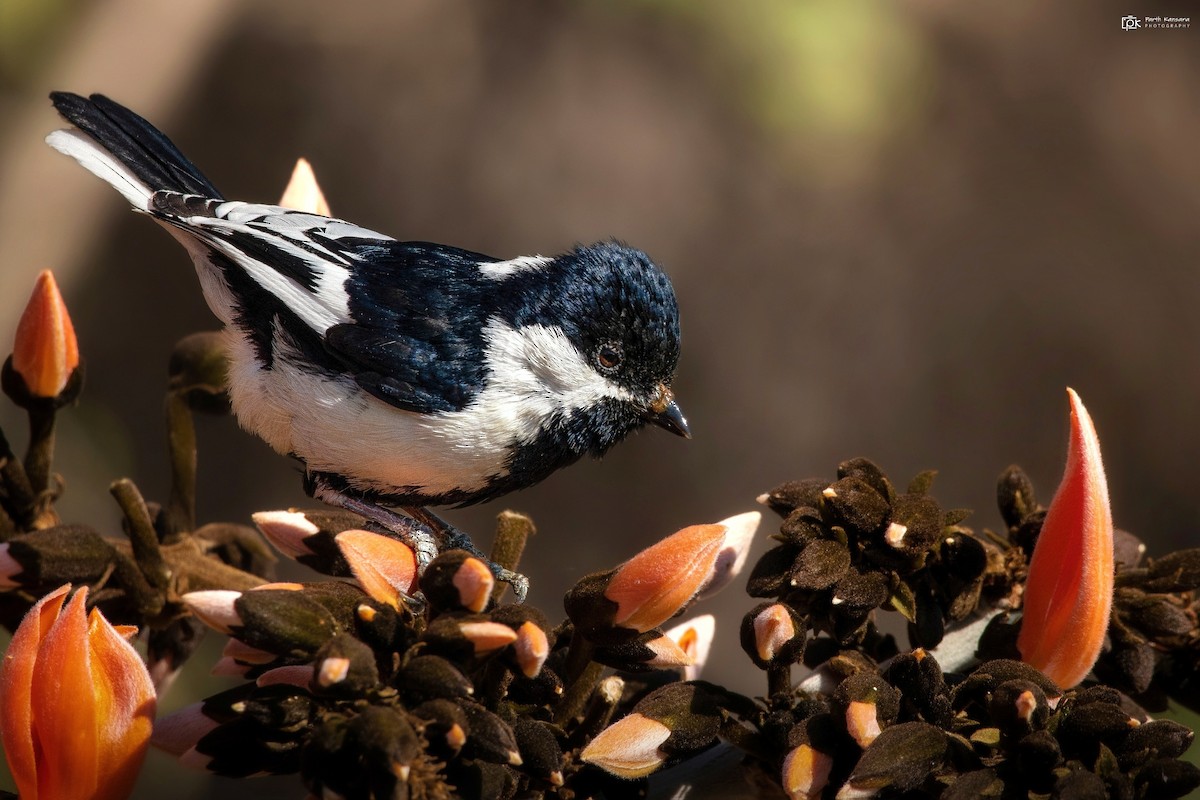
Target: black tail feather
<point>137,144</point>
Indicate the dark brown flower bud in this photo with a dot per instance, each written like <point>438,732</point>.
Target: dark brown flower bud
<point>869,473</point>
<point>446,727</point>
<point>344,668</point>
<point>1083,728</point>
<point>802,526</point>
<point>900,759</point>
<point>541,754</point>
<point>1167,778</point>
<point>990,674</point>
<point>198,370</point>
<point>310,537</point>
<point>771,576</point>
<point>286,622</point>
<point>489,737</point>
<point>1015,496</point>
<point>1037,755</point>
<point>466,636</point>
<point>773,634</point>
<point>365,755</point>
<point>650,650</point>
<point>677,720</point>
<point>922,686</point>
<point>1156,616</point>
<point>1160,738</point>
<point>820,565</point>
<point>863,705</point>
<point>974,784</point>
<point>856,506</point>
<point>456,580</point>
<point>1019,707</point>
<point>785,499</point>
<point>54,556</point>
<point>429,677</point>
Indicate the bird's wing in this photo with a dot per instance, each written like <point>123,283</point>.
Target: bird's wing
<point>397,316</point>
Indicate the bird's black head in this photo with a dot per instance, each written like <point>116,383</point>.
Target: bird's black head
<point>618,311</point>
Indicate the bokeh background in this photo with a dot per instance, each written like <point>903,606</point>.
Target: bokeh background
<point>896,229</point>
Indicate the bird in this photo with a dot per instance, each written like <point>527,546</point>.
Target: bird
<point>402,374</point>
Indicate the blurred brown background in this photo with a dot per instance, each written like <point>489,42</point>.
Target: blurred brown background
<point>896,230</point>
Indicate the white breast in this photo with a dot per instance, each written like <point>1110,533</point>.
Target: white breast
<point>535,374</point>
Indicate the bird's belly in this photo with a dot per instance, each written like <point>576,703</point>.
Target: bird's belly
<point>334,426</point>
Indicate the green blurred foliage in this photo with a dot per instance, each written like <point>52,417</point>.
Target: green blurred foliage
<point>832,82</point>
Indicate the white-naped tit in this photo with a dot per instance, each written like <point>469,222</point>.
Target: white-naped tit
<point>405,374</point>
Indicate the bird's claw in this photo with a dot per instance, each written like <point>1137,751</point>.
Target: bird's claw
<point>454,539</point>
<point>422,530</point>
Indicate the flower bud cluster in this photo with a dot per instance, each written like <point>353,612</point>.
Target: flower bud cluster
<point>856,544</point>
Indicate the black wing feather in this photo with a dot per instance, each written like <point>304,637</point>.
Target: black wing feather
<point>417,337</point>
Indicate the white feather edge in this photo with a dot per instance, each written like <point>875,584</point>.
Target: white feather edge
<point>98,161</point>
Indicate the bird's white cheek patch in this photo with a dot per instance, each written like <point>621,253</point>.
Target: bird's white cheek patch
<point>535,374</point>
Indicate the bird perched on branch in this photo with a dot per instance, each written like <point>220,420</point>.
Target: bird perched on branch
<point>403,374</point>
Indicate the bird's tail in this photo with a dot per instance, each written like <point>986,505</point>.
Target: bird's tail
<point>125,150</point>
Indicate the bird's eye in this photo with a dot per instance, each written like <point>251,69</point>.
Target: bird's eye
<point>609,356</point>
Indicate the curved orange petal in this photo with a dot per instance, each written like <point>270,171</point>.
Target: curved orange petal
<point>1068,595</point>
<point>16,684</point>
<point>65,713</point>
<point>385,567</point>
<point>125,705</point>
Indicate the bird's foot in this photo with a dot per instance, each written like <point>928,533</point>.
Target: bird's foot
<point>452,538</point>
<point>422,530</point>
<point>412,532</point>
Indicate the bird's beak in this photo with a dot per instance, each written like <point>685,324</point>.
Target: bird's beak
<point>664,412</point>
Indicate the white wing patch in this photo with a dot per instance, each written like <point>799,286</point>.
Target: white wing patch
<point>499,270</point>
<point>293,233</point>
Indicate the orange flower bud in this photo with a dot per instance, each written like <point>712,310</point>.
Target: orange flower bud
<point>78,704</point>
<point>1069,592</point>
<point>658,582</point>
<point>303,193</point>
<point>45,352</point>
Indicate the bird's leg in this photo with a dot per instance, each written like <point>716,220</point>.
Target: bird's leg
<point>412,532</point>
<point>453,538</point>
